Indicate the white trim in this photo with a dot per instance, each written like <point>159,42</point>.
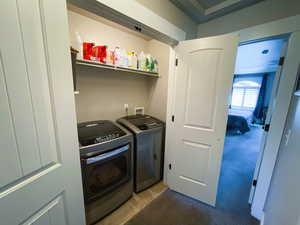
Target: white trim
<point>169,124</point>
<point>262,221</point>
<point>221,6</point>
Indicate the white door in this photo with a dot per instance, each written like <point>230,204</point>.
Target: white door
<point>203,80</point>
<point>40,177</point>
<point>271,109</point>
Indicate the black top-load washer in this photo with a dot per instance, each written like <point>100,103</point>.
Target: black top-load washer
<point>106,153</point>
<point>149,135</point>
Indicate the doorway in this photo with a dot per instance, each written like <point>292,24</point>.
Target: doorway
<point>255,78</point>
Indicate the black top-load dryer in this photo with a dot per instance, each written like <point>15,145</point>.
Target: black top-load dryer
<point>149,135</point>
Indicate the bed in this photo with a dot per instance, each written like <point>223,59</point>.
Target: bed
<point>239,120</point>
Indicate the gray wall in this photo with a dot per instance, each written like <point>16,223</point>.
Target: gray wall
<point>263,12</point>
<point>282,206</point>
<point>170,12</point>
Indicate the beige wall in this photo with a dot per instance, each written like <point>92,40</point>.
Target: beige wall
<point>170,12</point>
<point>103,93</point>
<point>263,12</point>
<point>157,104</point>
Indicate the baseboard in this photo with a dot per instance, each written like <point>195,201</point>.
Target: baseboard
<point>262,221</point>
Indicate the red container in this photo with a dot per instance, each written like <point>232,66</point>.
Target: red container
<point>99,52</point>
<point>87,50</point>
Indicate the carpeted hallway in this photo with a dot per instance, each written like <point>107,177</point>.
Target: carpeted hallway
<point>232,207</point>
<point>238,165</point>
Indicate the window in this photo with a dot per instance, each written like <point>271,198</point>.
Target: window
<point>244,95</point>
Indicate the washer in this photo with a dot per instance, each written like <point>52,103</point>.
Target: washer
<point>149,135</point>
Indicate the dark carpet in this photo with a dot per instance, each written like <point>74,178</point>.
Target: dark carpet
<point>232,208</point>
<point>238,165</point>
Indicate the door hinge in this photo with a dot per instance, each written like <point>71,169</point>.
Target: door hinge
<point>170,166</point>
<point>173,118</point>
<point>281,61</point>
<point>254,183</point>
<point>176,62</point>
<point>266,127</point>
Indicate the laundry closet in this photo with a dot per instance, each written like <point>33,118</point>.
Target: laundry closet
<point>106,91</point>
<point>120,77</point>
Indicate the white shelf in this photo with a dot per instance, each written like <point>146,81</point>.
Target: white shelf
<point>116,68</point>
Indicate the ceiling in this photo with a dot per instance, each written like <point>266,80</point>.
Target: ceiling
<point>259,57</point>
<point>203,10</point>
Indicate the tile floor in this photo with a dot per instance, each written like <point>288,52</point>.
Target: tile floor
<point>134,205</point>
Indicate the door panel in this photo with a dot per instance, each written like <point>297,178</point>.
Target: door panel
<point>203,82</point>
<point>51,214</point>
<point>40,175</point>
<point>10,163</point>
<point>195,172</point>
<point>31,14</point>
<point>26,89</point>
<point>202,88</point>
<point>18,90</point>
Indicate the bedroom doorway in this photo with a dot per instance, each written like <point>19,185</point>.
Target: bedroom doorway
<point>253,90</point>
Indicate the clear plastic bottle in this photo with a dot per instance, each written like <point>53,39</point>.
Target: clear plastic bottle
<point>149,63</point>
<point>134,61</point>
<point>155,66</point>
<point>142,61</point>
<point>123,58</point>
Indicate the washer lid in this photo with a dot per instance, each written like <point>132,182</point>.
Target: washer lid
<point>94,132</point>
<point>144,122</point>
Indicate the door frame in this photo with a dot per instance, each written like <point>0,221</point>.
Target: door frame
<point>269,30</point>
<point>272,101</point>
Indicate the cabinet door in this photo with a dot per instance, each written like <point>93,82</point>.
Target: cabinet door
<point>40,177</point>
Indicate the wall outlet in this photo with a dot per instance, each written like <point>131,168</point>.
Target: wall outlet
<point>126,107</point>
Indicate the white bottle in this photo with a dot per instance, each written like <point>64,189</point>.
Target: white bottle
<point>134,60</point>
<point>117,56</point>
<point>130,58</point>
<point>142,61</point>
<point>124,58</point>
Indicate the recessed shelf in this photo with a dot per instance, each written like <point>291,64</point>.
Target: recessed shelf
<point>116,68</point>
